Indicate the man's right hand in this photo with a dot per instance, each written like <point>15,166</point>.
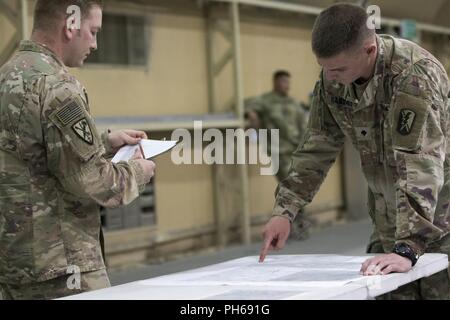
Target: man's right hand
<point>275,234</point>
<point>147,165</point>
<point>253,120</point>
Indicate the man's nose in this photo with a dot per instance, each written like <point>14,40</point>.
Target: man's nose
<point>94,46</point>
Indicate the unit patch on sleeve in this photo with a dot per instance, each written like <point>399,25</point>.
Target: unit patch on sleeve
<point>83,130</point>
<point>406,121</point>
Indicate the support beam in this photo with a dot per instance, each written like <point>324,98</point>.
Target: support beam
<point>24,20</point>
<point>237,65</point>
<point>209,57</point>
<point>224,30</point>
<point>14,18</point>
<point>221,175</point>
<point>8,12</point>
<point>18,17</point>
<point>223,61</point>
<point>9,49</point>
<point>238,87</point>
<point>217,170</point>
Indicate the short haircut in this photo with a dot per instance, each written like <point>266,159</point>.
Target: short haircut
<point>280,73</point>
<point>48,13</point>
<point>339,28</point>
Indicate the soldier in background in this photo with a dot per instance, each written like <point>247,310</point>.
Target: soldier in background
<point>54,171</point>
<point>277,110</point>
<point>390,97</point>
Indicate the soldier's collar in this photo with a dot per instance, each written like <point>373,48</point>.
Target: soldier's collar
<point>29,45</point>
<point>380,64</point>
<point>373,86</point>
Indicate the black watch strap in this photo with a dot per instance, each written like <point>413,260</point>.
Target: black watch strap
<point>404,250</point>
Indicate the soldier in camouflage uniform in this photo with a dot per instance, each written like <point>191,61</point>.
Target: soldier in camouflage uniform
<point>54,171</point>
<point>277,110</point>
<point>390,97</point>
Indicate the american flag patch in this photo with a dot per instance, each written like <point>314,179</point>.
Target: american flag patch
<point>70,112</point>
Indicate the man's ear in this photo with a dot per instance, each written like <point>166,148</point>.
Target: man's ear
<point>69,33</point>
<point>371,48</point>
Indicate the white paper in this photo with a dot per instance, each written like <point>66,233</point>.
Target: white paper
<point>151,148</point>
<point>285,271</point>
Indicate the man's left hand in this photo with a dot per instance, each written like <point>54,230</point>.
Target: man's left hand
<point>385,263</point>
<point>119,138</point>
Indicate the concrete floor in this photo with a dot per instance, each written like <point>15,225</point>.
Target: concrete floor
<point>346,239</point>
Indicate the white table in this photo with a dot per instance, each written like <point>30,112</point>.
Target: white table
<point>280,277</point>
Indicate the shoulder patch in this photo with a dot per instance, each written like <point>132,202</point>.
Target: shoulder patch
<point>83,130</point>
<point>405,121</point>
<point>70,112</point>
<point>409,122</point>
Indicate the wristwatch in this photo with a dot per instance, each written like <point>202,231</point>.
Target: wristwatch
<point>402,249</point>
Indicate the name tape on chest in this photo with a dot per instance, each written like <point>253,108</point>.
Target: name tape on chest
<point>341,101</point>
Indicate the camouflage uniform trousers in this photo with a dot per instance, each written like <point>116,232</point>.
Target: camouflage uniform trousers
<point>434,287</point>
<point>300,227</point>
<point>55,288</point>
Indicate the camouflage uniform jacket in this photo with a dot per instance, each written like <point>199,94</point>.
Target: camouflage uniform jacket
<point>53,171</point>
<point>400,127</point>
<point>283,113</point>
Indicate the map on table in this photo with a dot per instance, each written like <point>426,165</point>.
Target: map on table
<point>279,271</point>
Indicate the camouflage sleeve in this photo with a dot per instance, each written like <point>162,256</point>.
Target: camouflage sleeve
<point>418,120</point>
<point>109,154</point>
<point>75,153</point>
<point>302,120</point>
<point>255,104</point>
<point>322,142</point>
<point>290,131</point>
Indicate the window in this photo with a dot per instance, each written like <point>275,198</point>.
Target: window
<point>123,41</point>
